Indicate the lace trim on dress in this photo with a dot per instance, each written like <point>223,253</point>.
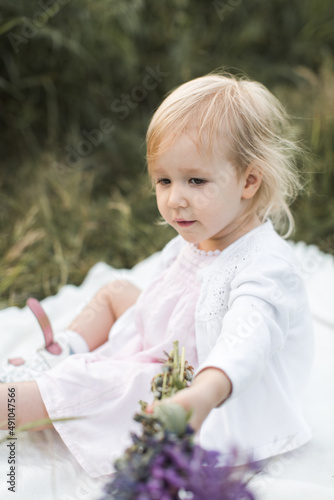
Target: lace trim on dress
<point>213,300</point>
<point>198,251</point>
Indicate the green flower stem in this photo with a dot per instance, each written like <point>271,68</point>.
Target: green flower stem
<point>183,359</point>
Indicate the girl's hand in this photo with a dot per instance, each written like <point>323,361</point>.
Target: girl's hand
<point>209,389</point>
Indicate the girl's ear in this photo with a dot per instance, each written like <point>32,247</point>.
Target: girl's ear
<point>252,181</point>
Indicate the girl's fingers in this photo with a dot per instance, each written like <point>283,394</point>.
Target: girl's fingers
<point>149,409</point>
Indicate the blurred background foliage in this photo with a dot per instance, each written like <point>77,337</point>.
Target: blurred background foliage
<point>79,81</point>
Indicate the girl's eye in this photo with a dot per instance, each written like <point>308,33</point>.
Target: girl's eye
<point>197,182</point>
<point>164,182</point>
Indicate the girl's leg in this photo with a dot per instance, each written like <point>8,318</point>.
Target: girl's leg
<point>111,301</point>
<point>24,400</point>
<point>87,332</point>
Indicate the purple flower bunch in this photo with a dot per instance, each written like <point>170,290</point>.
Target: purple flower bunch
<point>174,468</point>
<point>164,463</point>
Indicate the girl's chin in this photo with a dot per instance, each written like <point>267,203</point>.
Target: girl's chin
<point>189,238</point>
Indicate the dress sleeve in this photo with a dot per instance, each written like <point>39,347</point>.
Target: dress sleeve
<point>266,305</point>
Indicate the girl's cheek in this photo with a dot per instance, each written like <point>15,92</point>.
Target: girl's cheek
<point>200,201</point>
<point>205,196</point>
<point>161,207</point>
<point>212,191</point>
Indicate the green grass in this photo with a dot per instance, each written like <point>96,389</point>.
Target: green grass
<point>55,231</point>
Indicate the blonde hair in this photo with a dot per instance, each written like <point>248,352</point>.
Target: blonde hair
<point>246,117</point>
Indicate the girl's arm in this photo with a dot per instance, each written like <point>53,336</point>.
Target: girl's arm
<point>210,388</point>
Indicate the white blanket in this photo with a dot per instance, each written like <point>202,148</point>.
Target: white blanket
<point>45,470</point>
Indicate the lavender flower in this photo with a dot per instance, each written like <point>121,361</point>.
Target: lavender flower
<point>174,468</point>
<point>164,463</point>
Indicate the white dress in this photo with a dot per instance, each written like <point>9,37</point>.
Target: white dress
<point>102,388</point>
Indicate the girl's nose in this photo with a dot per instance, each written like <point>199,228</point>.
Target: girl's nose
<point>177,197</point>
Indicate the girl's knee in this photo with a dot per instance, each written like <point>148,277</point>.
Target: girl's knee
<point>118,286</point>
<point>112,290</point>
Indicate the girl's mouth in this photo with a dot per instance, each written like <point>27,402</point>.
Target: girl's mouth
<point>185,223</point>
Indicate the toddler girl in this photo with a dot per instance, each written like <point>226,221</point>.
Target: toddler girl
<point>228,289</point>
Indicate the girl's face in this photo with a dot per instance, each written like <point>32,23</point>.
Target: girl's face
<point>202,197</point>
